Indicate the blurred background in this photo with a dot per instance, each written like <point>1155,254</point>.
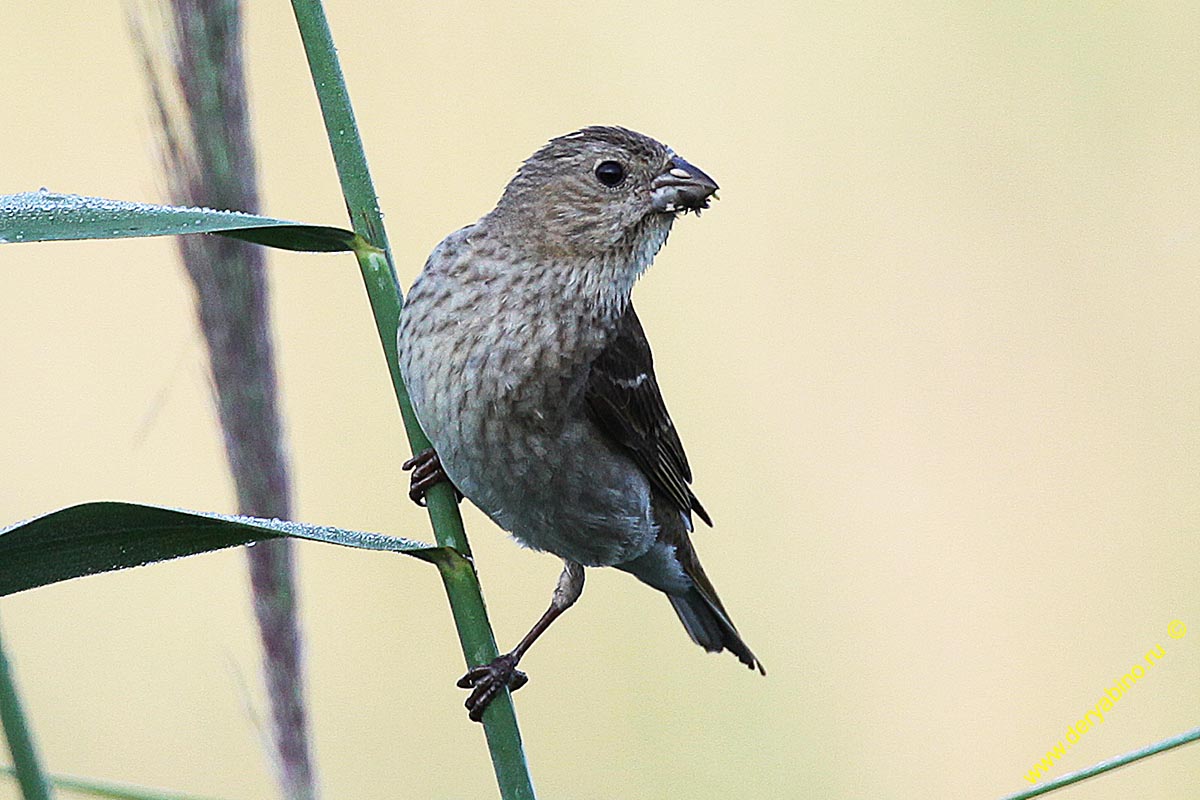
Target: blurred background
<point>933,357</point>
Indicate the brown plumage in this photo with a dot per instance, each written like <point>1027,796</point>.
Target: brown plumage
<point>530,372</point>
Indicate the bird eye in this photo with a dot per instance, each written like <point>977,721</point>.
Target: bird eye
<point>610,173</point>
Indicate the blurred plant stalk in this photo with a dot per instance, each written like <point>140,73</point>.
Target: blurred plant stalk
<point>193,60</point>
<point>27,768</point>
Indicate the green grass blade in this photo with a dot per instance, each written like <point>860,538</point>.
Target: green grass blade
<point>1107,766</point>
<point>113,791</point>
<point>26,767</point>
<point>101,537</point>
<point>383,289</point>
<point>50,217</point>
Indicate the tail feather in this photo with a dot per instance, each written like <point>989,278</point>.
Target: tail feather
<point>672,567</point>
<point>709,627</point>
<point>701,612</point>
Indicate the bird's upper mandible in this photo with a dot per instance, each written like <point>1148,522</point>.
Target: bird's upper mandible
<point>681,187</point>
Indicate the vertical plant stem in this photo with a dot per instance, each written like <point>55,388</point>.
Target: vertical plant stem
<point>383,289</point>
<point>32,780</point>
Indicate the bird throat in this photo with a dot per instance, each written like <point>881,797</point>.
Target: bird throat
<point>579,305</point>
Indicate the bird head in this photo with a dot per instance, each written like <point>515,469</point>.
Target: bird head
<point>602,191</point>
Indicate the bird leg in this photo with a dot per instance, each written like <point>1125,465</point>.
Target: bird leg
<point>487,680</point>
<point>427,471</point>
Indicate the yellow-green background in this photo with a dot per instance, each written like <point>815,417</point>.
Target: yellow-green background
<point>933,355</point>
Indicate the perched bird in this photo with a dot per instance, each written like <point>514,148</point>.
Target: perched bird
<point>530,373</point>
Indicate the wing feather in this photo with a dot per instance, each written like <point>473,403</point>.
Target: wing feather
<point>624,400</point>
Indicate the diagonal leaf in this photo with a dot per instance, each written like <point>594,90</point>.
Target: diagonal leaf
<point>45,216</point>
<point>101,537</point>
<point>113,791</point>
<point>1170,743</point>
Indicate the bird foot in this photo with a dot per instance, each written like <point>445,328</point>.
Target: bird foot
<point>487,680</point>
<point>427,471</point>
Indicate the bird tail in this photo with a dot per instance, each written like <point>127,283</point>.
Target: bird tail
<point>703,616</point>
<point>709,627</point>
<point>672,567</point>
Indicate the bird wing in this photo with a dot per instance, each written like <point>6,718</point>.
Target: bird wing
<point>624,400</point>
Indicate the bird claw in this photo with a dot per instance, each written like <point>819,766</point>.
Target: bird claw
<point>427,472</point>
<point>487,680</point>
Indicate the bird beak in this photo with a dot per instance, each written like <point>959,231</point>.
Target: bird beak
<point>681,187</point>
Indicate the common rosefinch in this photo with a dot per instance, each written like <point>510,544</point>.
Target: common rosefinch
<point>530,373</point>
